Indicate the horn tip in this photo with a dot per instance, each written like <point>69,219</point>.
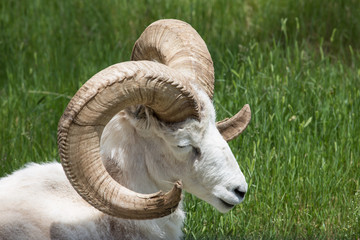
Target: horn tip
<point>247,107</point>
<point>178,184</point>
<point>247,111</point>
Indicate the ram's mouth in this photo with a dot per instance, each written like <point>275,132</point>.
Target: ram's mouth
<point>228,205</point>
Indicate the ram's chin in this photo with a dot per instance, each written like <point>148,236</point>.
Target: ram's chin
<point>223,206</point>
<point>219,204</point>
<point>220,199</point>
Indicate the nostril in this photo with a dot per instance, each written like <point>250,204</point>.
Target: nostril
<point>239,193</point>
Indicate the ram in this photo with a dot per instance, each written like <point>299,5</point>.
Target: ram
<point>130,140</point>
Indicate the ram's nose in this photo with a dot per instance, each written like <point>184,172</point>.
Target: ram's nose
<point>240,192</point>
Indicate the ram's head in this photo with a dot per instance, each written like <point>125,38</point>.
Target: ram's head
<point>172,74</point>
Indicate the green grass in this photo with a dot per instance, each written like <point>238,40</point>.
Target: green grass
<point>297,63</point>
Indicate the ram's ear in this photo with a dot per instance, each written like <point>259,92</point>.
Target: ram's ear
<point>230,128</point>
<point>140,111</point>
<point>141,116</point>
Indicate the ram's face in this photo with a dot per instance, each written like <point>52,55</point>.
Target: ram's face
<point>206,164</point>
<point>220,180</point>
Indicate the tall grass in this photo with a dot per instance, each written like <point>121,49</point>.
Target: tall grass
<point>301,151</point>
<point>295,62</point>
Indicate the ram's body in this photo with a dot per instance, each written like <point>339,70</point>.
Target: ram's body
<point>144,149</point>
<point>38,202</point>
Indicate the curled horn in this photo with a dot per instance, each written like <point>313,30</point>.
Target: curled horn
<point>93,106</point>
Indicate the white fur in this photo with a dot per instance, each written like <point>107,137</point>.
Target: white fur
<point>143,154</point>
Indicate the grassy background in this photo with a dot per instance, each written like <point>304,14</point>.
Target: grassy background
<point>297,63</point>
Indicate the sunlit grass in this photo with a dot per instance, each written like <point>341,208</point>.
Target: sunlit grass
<point>298,70</point>
<point>300,153</point>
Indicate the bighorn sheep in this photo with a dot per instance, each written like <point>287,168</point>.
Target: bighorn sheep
<point>141,125</point>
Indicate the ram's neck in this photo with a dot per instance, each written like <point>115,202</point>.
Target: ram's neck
<point>127,157</point>
<point>124,154</point>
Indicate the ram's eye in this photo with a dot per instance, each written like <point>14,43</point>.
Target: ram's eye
<point>195,150</point>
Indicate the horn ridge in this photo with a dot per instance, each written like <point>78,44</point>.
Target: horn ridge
<point>177,45</point>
